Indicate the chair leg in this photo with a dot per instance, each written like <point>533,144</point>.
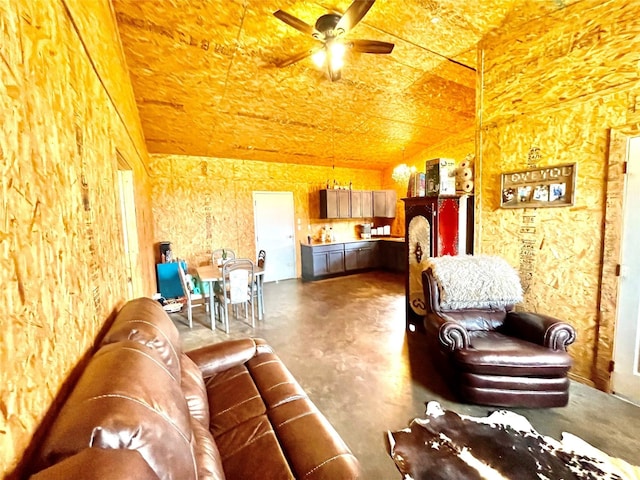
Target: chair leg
<point>260,291</point>
<point>189,313</point>
<point>225,315</point>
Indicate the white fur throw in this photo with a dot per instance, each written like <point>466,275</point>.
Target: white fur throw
<point>480,281</point>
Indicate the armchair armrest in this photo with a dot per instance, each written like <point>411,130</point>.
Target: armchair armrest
<point>453,336</point>
<point>219,357</point>
<point>540,329</point>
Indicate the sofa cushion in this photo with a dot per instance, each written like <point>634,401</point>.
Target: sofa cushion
<point>99,464</point>
<point>114,405</point>
<point>292,415</point>
<point>194,390</point>
<point>144,321</point>
<point>500,382</point>
<point>251,450</point>
<point>493,353</point>
<point>233,399</point>
<point>274,381</point>
<point>480,281</point>
<point>206,453</point>
<point>205,449</point>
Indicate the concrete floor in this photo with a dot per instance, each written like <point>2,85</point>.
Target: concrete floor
<point>344,340</point>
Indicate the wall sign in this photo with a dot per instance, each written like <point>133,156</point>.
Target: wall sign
<point>552,186</point>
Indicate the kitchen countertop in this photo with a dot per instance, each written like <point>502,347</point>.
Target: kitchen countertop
<point>315,243</point>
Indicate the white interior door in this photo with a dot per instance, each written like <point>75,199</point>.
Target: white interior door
<point>275,233</point>
<point>626,373</point>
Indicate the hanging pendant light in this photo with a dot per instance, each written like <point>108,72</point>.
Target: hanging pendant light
<point>402,172</point>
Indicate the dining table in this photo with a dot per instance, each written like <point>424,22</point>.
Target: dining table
<point>213,273</point>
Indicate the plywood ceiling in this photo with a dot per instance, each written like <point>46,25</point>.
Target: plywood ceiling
<point>206,82</point>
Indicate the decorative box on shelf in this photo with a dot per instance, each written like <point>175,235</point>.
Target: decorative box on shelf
<point>417,185</point>
<point>440,176</point>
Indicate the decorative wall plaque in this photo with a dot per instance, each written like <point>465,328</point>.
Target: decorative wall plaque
<point>552,186</point>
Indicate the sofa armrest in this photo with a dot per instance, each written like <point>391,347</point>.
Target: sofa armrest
<point>540,329</point>
<point>218,357</point>
<point>453,336</point>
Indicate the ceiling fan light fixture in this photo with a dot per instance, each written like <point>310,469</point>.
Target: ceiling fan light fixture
<point>330,29</point>
<point>319,58</point>
<point>336,64</point>
<point>336,54</point>
<point>337,49</point>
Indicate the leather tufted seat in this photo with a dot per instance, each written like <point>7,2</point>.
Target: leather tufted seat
<point>496,356</point>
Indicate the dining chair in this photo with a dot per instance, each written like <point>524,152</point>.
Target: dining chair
<point>257,289</point>
<point>236,289</point>
<point>221,255</point>
<point>262,258</point>
<point>193,299</point>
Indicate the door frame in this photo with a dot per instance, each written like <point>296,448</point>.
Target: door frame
<point>294,250</point>
<point>131,245</point>
<point>625,380</point>
<point>611,253</point>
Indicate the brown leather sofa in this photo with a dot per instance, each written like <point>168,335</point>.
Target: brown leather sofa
<point>143,409</point>
<point>496,356</point>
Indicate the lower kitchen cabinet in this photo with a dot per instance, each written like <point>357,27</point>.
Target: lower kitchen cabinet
<point>322,260</point>
<point>360,255</point>
<point>325,260</point>
<point>393,256</point>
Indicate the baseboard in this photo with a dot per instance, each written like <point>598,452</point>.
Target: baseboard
<point>581,379</point>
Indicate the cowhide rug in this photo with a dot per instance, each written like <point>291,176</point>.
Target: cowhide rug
<point>504,445</point>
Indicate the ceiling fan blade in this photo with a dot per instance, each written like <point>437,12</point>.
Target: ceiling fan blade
<point>294,22</point>
<point>297,57</point>
<point>370,46</point>
<point>354,14</point>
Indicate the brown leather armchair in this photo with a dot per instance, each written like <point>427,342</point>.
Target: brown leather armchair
<point>492,355</point>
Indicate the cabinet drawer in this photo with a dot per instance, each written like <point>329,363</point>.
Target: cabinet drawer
<point>357,245</point>
<point>338,247</point>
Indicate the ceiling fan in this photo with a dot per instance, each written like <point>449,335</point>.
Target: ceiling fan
<point>330,30</point>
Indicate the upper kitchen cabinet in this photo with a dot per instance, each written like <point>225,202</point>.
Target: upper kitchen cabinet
<point>384,203</point>
<point>361,204</point>
<point>335,203</point>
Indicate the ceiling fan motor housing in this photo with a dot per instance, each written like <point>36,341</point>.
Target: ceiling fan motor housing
<point>326,25</point>
<point>329,30</point>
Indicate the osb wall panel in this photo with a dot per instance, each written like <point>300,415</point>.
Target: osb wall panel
<point>61,243</point>
<point>550,89</point>
<point>457,147</point>
<point>200,203</point>
<point>103,42</point>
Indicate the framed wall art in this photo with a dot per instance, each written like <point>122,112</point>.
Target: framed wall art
<point>552,186</point>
